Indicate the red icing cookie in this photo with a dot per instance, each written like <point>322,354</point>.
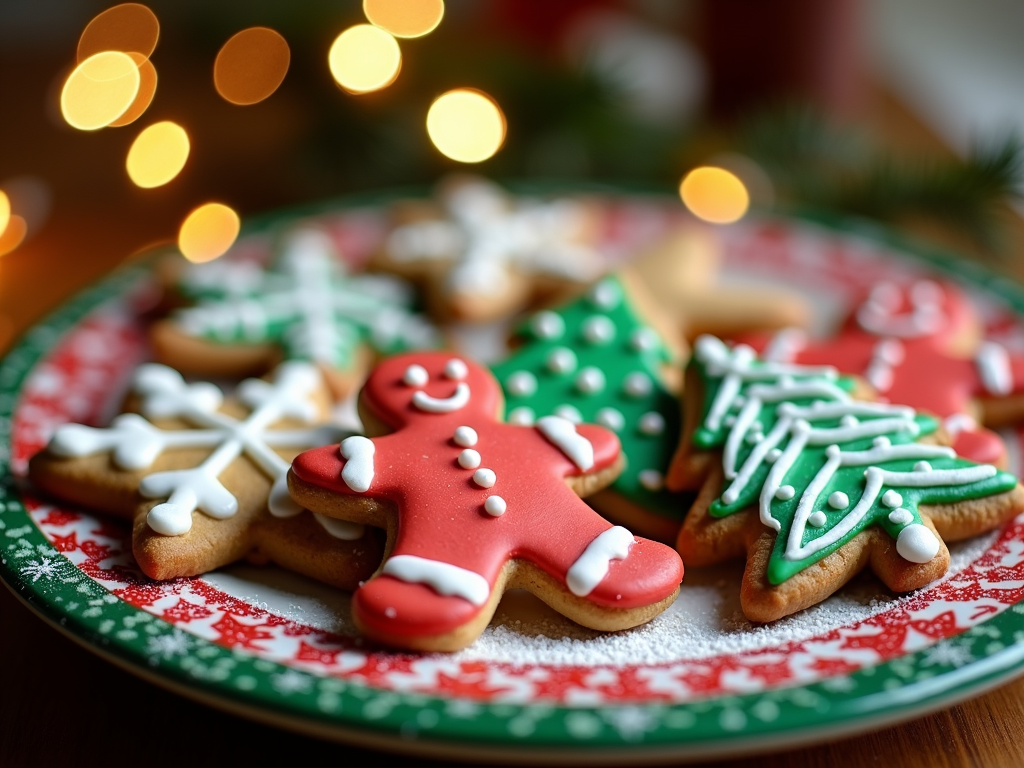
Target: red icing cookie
<point>474,506</point>
<point>918,344</point>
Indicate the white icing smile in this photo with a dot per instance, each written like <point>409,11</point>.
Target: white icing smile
<point>416,376</point>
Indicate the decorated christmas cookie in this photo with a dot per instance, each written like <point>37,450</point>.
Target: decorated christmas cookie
<point>474,507</point>
<point>205,480</point>
<point>811,486</point>
<point>482,254</point>
<point>919,343</point>
<point>303,307</point>
<point>596,360</point>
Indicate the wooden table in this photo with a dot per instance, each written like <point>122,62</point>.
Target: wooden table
<point>98,221</point>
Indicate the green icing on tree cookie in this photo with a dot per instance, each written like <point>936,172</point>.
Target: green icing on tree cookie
<point>820,466</point>
<point>305,302</point>
<point>594,360</point>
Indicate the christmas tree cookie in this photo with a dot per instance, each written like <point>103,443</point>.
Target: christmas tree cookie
<point>204,479</point>
<point>481,254</point>
<point>304,306</point>
<point>919,343</point>
<point>596,360</point>
<point>474,507</point>
<point>811,485</point>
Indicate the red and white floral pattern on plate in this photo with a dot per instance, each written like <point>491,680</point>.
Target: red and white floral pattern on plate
<point>74,383</point>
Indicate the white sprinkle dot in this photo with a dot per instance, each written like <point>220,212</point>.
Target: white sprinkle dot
<point>849,421</point>
<point>469,459</point>
<point>900,517</point>
<point>465,436</point>
<point>569,413</point>
<point>521,384</point>
<point>730,420</point>
<point>548,325</point>
<point>485,478</point>
<point>598,329</point>
<point>416,376</point>
<point>590,380</point>
<point>651,479</point>
<point>561,360</point>
<point>643,340</point>
<point>881,442</point>
<point>773,455</point>
<point>755,437</point>
<point>892,499</point>
<point>922,466</point>
<point>839,500</point>
<point>611,418</point>
<point>495,506</point>
<point>456,369</point>
<point>522,416</point>
<point>637,384</point>
<point>785,493</point>
<point>605,295</point>
<point>390,613</point>
<point>817,519</point>
<point>652,423</point>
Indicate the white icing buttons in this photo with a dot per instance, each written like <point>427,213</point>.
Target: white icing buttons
<point>785,493</point>
<point>569,413</point>
<point>485,478</point>
<point>900,517</point>
<point>465,436</point>
<point>892,500</point>
<point>469,459</point>
<point>917,544</point>
<point>456,369</point>
<point>590,380</point>
<point>561,360</point>
<point>651,423</point>
<point>521,384</point>
<point>598,329</point>
<point>522,416</point>
<point>839,500</point>
<point>611,418</point>
<point>817,519</point>
<point>651,479</point>
<point>495,506</point>
<point>548,325</point>
<point>637,384</point>
<point>415,376</point>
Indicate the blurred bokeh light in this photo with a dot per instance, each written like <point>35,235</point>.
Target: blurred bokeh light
<point>405,18</point>
<point>5,212</point>
<point>146,92</point>
<point>158,154</point>
<point>13,234</point>
<point>714,195</point>
<point>466,125</point>
<point>100,90</point>
<point>364,58</point>
<point>208,232</point>
<point>129,28</point>
<point>251,65</point>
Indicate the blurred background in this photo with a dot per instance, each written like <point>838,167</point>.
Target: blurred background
<point>904,111</point>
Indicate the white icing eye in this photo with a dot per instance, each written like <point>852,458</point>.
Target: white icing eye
<point>892,499</point>
<point>598,329</point>
<point>839,500</point>
<point>605,295</point>
<point>817,519</point>
<point>643,340</point>
<point>465,436</point>
<point>785,493</point>
<point>495,506</point>
<point>415,376</point>
<point>455,369</point>
<point>547,325</point>
<point>561,360</point>
<point>651,479</point>
<point>611,418</point>
<point>637,384</point>
<point>651,423</point>
<point>521,416</point>
<point>900,517</point>
<point>590,380</point>
<point>521,384</point>
<point>485,478</point>
<point>569,413</point>
<point>469,459</point>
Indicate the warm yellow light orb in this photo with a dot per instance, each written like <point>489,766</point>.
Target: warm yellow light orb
<point>208,232</point>
<point>364,58</point>
<point>5,211</point>
<point>13,234</point>
<point>100,90</point>
<point>157,155</point>
<point>714,195</point>
<point>405,18</point>
<point>466,125</point>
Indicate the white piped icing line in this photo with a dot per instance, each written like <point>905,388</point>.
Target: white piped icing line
<point>563,435</point>
<point>456,402</point>
<point>993,363</point>
<point>358,470</point>
<point>444,578</point>
<point>592,566</point>
<point>136,443</point>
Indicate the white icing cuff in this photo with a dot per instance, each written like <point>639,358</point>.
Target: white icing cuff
<point>562,434</point>
<point>444,578</point>
<point>592,566</point>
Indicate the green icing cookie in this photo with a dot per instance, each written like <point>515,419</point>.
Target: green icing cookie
<point>820,466</point>
<point>594,360</point>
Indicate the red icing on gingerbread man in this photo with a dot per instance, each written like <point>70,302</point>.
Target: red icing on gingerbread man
<point>917,345</point>
<point>473,494</point>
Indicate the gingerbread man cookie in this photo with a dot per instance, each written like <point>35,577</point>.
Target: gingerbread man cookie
<point>812,486</point>
<point>473,507</point>
<point>204,483</point>
<point>304,306</point>
<point>482,254</point>
<point>920,344</point>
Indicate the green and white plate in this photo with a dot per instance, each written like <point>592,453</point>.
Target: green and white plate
<point>697,681</point>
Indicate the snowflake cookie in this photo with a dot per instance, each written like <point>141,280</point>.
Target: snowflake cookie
<point>919,343</point>
<point>304,306</point>
<point>812,486</point>
<point>204,479</point>
<point>474,507</point>
<point>482,254</point>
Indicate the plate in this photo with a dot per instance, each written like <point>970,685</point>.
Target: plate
<point>698,681</point>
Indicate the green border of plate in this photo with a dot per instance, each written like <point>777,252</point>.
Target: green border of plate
<point>983,657</point>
